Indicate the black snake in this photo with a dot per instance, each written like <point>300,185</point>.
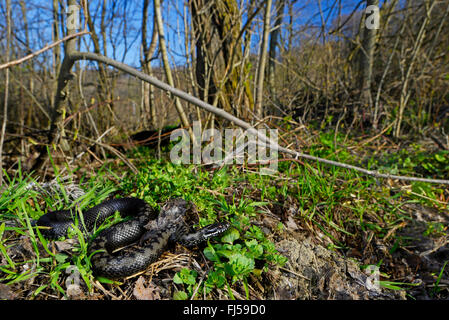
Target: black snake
<point>152,231</point>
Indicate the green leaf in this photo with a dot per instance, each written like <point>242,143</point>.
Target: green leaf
<point>230,236</point>
<point>44,242</point>
<point>258,203</point>
<point>392,285</point>
<point>257,272</point>
<point>60,257</point>
<point>209,253</point>
<point>38,290</point>
<point>109,281</point>
<point>255,248</point>
<point>437,283</point>
<point>255,232</point>
<point>239,265</point>
<point>440,158</point>
<point>177,279</point>
<point>2,229</point>
<point>216,278</point>
<point>186,276</point>
<point>389,285</point>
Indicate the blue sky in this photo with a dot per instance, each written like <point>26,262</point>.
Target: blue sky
<point>39,15</point>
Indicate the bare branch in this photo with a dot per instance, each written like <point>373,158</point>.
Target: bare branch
<point>38,52</point>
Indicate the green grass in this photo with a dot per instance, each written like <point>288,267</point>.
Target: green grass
<point>337,202</point>
<point>156,182</point>
<point>23,201</point>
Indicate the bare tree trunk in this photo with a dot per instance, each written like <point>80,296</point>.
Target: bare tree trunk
<point>366,60</point>
<point>59,107</point>
<point>148,51</point>
<point>290,33</point>
<point>57,62</point>
<point>262,60</point>
<point>189,56</point>
<point>387,66</point>
<point>56,36</point>
<point>5,100</point>
<point>202,35</point>
<point>163,47</point>
<point>222,70</point>
<point>274,36</point>
<point>25,147</point>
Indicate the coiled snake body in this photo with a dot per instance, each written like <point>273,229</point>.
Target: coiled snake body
<point>152,231</point>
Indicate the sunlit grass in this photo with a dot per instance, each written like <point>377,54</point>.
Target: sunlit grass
<point>338,202</point>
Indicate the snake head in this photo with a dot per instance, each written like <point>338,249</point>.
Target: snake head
<point>212,230</point>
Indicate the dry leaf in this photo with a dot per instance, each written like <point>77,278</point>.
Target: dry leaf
<point>65,245</point>
<point>6,292</point>
<point>141,292</point>
<point>74,292</point>
<point>291,224</point>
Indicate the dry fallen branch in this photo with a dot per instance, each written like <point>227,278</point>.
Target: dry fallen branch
<point>221,113</point>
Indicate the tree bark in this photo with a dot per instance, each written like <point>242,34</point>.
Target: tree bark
<point>366,60</point>
<point>56,36</point>
<point>105,92</point>
<point>221,69</point>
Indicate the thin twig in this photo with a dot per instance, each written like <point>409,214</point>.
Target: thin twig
<point>38,52</point>
<point>295,273</point>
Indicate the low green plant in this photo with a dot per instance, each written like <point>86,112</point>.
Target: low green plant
<point>236,256</point>
<point>187,278</point>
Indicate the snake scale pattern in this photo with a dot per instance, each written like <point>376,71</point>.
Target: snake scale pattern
<point>151,231</point>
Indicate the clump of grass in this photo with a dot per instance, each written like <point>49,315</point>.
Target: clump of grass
<point>25,200</point>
